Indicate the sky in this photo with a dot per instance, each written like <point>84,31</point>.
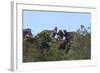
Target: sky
<point>47,20</point>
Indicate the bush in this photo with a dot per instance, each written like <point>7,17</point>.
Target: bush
<point>81,45</point>
<point>43,49</point>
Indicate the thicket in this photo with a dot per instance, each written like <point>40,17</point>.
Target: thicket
<point>44,49</point>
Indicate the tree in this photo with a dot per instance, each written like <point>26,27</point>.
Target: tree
<point>81,44</point>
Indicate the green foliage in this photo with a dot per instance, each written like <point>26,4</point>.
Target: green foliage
<point>81,45</point>
<point>43,49</point>
<point>43,37</point>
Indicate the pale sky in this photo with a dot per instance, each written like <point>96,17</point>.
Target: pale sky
<point>41,20</point>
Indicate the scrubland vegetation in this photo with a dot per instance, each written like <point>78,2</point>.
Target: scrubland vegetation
<point>43,48</point>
